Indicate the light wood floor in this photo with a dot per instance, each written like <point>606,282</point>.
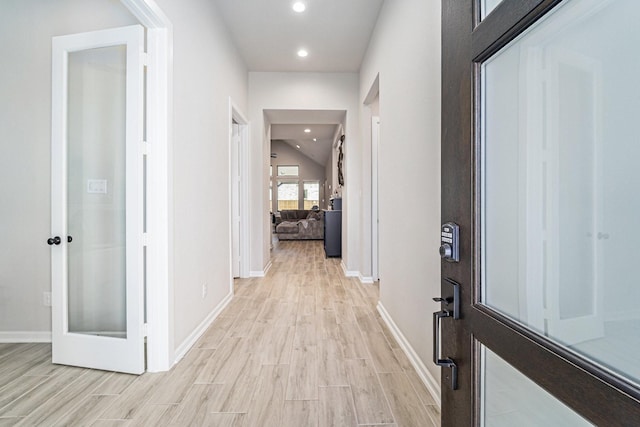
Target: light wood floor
<point>303,346</point>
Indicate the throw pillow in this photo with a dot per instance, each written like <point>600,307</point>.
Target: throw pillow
<point>315,215</point>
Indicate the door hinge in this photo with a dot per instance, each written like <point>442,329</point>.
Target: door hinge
<point>145,148</point>
<point>145,330</point>
<point>145,239</point>
<point>144,58</point>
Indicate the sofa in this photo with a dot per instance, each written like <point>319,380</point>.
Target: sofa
<point>301,224</point>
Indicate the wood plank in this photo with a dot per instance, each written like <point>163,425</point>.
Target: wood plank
<point>10,421</point>
<point>177,382</point>
<point>133,398</point>
<point>18,387</point>
<point>226,420</point>
<point>353,345</point>
<point>336,407</point>
<point>223,358</point>
<point>37,396</point>
<point>365,319</point>
<point>66,399</point>
<point>87,412</point>
<point>300,413</point>
<point>434,414</point>
<point>382,356</point>
<point>268,399</point>
<point>276,344</point>
<point>331,368</point>
<point>116,383</point>
<point>303,376</point>
<point>407,409</point>
<point>235,396</point>
<point>421,390</point>
<point>22,362</point>
<point>369,399</point>
<point>193,411</point>
<point>214,335</point>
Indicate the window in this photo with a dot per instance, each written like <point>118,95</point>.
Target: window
<point>287,195</point>
<point>311,194</point>
<point>288,170</point>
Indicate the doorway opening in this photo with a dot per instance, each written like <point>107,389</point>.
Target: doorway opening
<point>303,167</point>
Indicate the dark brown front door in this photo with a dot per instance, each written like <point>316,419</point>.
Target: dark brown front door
<point>538,111</point>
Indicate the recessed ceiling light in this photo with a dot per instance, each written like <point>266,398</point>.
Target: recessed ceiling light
<point>307,130</point>
<point>299,7</point>
<point>302,53</point>
<point>315,139</point>
<point>298,146</point>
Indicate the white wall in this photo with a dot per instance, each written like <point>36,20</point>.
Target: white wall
<point>26,28</point>
<point>301,91</point>
<point>207,71</point>
<point>405,51</point>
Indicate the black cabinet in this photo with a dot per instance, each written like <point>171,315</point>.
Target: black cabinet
<point>333,233</point>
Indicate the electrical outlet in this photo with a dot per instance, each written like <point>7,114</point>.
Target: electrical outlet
<point>46,299</point>
<point>204,290</point>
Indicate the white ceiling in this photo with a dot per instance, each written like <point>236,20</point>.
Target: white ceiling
<point>268,33</point>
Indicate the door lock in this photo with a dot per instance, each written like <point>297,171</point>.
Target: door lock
<point>449,242</point>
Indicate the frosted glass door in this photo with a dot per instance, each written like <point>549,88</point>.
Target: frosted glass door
<point>96,118</point>
<point>97,200</point>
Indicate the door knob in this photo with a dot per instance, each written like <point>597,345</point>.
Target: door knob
<point>54,240</point>
<point>69,239</point>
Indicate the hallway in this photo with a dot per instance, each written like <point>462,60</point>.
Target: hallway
<point>303,346</point>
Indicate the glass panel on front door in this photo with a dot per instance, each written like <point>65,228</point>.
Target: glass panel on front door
<point>96,119</point>
<point>559,181</point>
<point>511,399</point>
<point>487,6</point>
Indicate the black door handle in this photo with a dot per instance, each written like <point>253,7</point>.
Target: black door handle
<point>69,239</point>
<point>454,312</point>
<point>445,362</point>
<point>54,240</point>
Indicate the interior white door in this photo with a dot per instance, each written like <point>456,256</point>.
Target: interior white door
<point>97,200</point>
<point>574,298</point>
<point>235,199</point>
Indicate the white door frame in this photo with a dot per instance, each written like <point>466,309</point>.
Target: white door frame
<point>243,188</point>
<point>159,299</point>
<point>374,252</point>
<point>375,255</point>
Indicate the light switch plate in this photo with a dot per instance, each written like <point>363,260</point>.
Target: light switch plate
<point>97,186</point>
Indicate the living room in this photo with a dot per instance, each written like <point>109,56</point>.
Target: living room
<point>303,176</point>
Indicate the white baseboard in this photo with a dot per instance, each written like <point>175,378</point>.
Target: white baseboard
<point>261,273</point>
<point>197,332</point>
<point>24,336</point>
<point>366,279</point>
<point>429,381</point>
<point>347,272</point>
